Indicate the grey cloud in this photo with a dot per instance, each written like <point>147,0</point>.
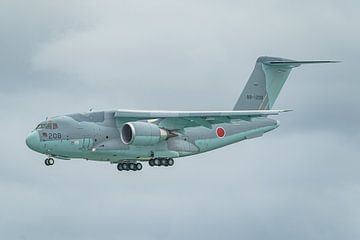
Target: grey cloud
<point>299,181</point>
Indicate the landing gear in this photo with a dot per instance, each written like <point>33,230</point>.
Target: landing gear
<point>157,162</point>
<point>138,166</point>
<point>164,162</point>
<point>132,166</point>
<point>129,166</point>
<point>119,167</point>
<point>49,161</point>
<point>161,162</point>
<point>170,161</point>
<point>152,162</point>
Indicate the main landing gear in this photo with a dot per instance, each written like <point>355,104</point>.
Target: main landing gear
<point>49,161</point>
<point>129,166</point>
<point>161,162</point>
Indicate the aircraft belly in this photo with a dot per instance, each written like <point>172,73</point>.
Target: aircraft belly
<point>214,143</point>
<point>207,139</point>
<point>183,146</point>
<point>68,148</point>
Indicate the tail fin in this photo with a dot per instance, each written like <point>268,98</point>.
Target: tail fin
<point>266,81</point>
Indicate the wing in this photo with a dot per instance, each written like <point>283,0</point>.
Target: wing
<point>174,120</point>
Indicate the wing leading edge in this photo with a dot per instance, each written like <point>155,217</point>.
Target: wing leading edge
<point>180,119</point>
<point>173,114</point>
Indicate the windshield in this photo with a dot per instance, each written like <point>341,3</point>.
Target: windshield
<point>41,126</point>
<point>48,125</point>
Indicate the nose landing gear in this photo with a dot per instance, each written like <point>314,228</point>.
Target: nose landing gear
<point>49,161</point>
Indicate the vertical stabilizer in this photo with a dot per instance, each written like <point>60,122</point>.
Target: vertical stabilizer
<point>266,81</point>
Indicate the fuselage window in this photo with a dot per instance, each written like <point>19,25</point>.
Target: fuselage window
<point>55,126</point>
<point>48,126</point>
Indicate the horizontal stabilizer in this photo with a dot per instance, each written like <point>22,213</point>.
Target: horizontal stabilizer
<point>293,63</point>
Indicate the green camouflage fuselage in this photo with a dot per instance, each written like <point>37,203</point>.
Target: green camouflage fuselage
<point>97,136</point>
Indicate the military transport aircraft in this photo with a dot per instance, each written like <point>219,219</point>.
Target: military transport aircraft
<point>128,137</point>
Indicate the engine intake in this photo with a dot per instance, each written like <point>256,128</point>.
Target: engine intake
<point>142,133</point>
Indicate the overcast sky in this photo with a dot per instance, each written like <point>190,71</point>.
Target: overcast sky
<point>300,181</point>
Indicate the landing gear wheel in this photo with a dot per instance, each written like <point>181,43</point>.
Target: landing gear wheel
<point>120,167</point>
<point>51,161</point>
<point>164,162</point>
<point>170,161</point>
<point>157,162</point>
<point>125,166</point>
<point>132,166</point>
<point>138,166</point>
<point>129,166</point>
<point>151,162</point>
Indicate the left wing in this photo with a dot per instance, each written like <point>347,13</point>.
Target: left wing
<point>174,120</point>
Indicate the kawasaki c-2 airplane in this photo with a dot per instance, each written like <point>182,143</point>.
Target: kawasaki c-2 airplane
<point>128,138</point>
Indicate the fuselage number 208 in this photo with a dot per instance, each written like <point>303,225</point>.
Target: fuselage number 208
<point>54,135</point>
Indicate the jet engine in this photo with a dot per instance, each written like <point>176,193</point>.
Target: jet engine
<point>142,133</point>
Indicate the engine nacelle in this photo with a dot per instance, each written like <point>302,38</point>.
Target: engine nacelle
<point>142,133</point>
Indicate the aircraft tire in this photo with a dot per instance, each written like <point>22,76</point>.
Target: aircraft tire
<point>132,166</point>
<point>47,162</point>
<point>170,161</point>
<point>164,162</point>
<point>120,167</point>
<point>151,162</point>
<point>125,166</point>
<point>138,166</point>
<point>51,161</point>
<point>157,162</point>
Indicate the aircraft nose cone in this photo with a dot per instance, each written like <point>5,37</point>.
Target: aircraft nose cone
<point>33,141</point>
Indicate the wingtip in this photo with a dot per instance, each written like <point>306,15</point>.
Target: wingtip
<point>328,61</point>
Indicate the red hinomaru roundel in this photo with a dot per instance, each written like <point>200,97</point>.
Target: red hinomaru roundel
<point>220,132</point>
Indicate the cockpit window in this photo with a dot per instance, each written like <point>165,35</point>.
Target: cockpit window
<point>47,126</point>
<point>41,126</point>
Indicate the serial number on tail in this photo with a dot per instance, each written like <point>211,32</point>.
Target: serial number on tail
<point>255,97</point>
